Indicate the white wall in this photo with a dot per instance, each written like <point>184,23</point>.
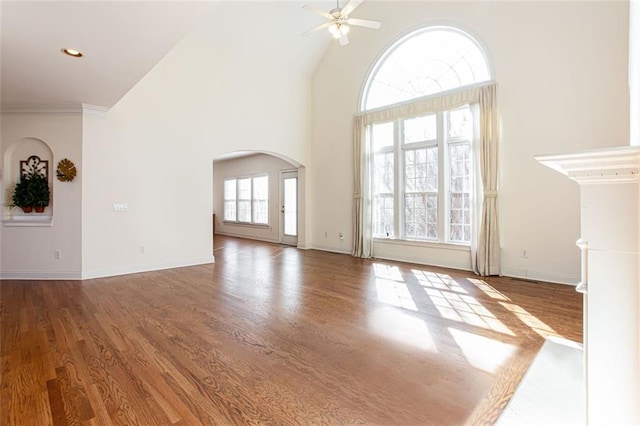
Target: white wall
<point>28,252</point>
<point>154,149</point>
<point>562,72</point>
<point>634,70</point>
<point>258,164</point>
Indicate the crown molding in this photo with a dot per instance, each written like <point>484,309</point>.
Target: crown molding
<point>94,110</point>
<point>42,109</point>
<point>609,165</point>
<point>88,109</point>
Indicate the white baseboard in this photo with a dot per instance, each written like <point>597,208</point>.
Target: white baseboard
<point>435,265</point>
<point>248,237</point>
<point>135,269</point>
<point>347,251</point>
<point>41,275</point>
<point>100,273</point>
<point>330,249</point>
<point>550,277</point>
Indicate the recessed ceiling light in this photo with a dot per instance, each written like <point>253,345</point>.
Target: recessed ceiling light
<point>72,52</point>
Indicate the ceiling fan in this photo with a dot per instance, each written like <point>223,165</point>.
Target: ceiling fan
<point>339,21</point>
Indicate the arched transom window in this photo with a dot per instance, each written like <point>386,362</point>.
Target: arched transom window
<point>425,62</point>
<point>422,179</point>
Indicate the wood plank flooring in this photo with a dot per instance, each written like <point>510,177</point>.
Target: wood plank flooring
<point>274,335</point>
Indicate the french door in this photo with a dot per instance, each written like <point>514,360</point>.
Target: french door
<point>289,207</point>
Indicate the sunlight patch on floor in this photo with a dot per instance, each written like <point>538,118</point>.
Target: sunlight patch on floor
<point>466,309</point>
<point>452,302</point>
<point>530,320</point>
<point>388,272</point>
<point>487,289</point>
<point>437,281</point>
<point>394,293</point>
<point>392,324</point>
<point>482,352</point>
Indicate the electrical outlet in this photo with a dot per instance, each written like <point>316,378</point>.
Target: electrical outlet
<point>341,235</point>
<point>58,254</point>
<point>524,254</point>
<point>141,249</point>
<point>326,234</point>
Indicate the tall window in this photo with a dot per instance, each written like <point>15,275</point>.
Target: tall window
<point>422,177</point>
<point>260,208</point>
<point>246,200</point>
<point>230,207</point>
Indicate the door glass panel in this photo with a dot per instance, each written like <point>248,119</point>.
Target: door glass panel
<point>290,206</point>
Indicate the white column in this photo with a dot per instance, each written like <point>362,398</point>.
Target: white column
<point>610,216</point>
<point>634,71</point>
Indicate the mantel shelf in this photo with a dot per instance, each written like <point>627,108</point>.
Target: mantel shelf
<point>610,165</point>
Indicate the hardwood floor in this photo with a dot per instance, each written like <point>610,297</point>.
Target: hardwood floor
<point>274,335</point>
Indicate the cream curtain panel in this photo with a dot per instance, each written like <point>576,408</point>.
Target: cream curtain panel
<point>362,213</point>
<point>487,256</point>
<point>486,245</point>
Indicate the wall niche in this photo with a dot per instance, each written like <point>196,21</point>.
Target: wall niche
<point>22,155</point>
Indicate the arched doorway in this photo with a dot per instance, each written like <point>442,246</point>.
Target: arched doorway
<point>259,195</point>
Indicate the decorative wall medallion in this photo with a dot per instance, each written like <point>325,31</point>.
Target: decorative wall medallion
<point>34,164</point>
<point>66,170</point>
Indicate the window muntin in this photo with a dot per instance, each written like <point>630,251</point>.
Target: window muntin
<point>430,169</point>
<point>246,200</point>
<point>428,61</point>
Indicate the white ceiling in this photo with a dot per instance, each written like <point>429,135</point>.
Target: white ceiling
<point>122,41</point>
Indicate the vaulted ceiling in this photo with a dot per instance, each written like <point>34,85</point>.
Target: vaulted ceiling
<point>123,41</point>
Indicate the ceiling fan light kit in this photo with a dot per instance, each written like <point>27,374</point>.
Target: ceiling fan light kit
<point>337,30</point>
<point>339,23</point>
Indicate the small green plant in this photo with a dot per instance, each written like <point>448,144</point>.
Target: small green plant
<point>21,196</point>
<point>31,191</point>
<point>39,190</point>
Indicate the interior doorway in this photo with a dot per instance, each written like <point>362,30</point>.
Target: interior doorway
<point>255,213</point>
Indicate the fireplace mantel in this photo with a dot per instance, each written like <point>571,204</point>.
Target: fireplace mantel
<point>609,243</point>
<point>620,164</point>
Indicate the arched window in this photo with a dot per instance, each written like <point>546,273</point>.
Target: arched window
<point>421,152</point>
<point>425,62</point>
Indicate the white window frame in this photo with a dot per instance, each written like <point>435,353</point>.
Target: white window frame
<point>251,201</point>
<point>444,178</point>
<point>254,199</point>
<point>226,200</point>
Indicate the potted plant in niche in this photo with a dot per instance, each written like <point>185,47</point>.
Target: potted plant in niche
<point>32,191</point>
<point>39,189</point>
<point>21,196</point>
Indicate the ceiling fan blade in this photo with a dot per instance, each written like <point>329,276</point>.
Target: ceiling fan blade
<point>319,27</point>
<point>364,23</point>
<point>344,40</point>
<point>351,6</point>
<point>318,11</point>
